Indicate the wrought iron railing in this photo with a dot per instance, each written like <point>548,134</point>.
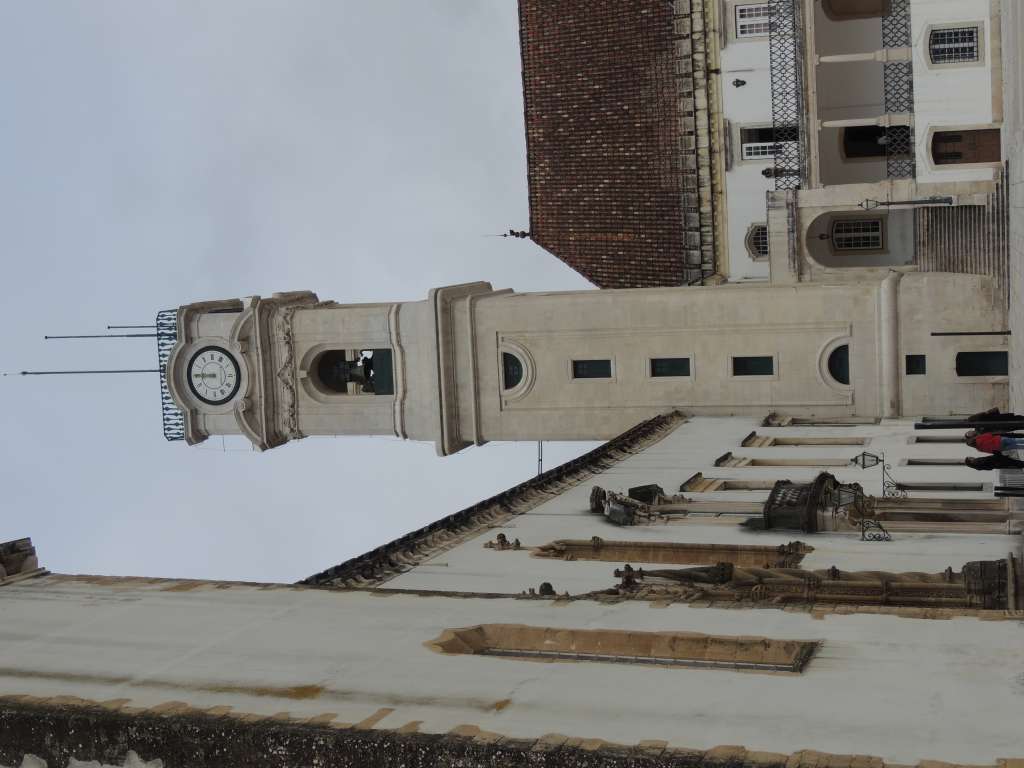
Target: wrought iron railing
<point>166,338</point>
<point>898,88</point>
<point>787,51</point>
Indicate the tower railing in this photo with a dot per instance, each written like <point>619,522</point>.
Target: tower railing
<point>787,51</point>
<point>898,88</point>
<point>166,338</point>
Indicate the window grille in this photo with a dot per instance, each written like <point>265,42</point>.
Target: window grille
<point>857,235</point>
<point>753,20</point>
<point>953,46</point>
<point>757,241</point>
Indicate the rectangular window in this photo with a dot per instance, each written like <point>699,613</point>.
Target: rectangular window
<point>953,46</point>
<point>591,369</point>
<point>860,141</point>
<point>759,150</point>
<point>758,143</point>
<point>670,366</point>
<point>667,552</point>
<point>941,486</point>
<point>857,235</point>
<point>753,20</point>
<point>982,364</point>
<point>610,646</point>
<point>753,366</point>
<point>916,365</point>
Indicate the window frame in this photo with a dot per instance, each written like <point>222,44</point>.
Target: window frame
<point>841,222</point>
<point>507,345</point>
<point>748,241</point>
<point>592,359</point>
<point>671,377</point>
<point>978,27</point>
<point>922,359</point>
<point>760,21</point>
<point>995,378</point>
<point>773,376</point>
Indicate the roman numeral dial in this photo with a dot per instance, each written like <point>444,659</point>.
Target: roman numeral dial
<point>213,375</point>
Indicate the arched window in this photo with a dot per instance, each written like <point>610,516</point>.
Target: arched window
<point>366,371</point>
<point>982,364</point>
<point>956,45</point>
<point>333,370</point>
<point>857,235</point>
<point>757,241</point>
<point>839,364</point>
<point>968,146</point>
<point>511,370</point>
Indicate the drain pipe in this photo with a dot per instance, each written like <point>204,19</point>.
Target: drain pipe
<point>889,345</point>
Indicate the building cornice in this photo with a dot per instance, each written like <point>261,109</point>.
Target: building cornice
<point>378,566</point>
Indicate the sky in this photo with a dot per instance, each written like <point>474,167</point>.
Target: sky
<point>155,154</point>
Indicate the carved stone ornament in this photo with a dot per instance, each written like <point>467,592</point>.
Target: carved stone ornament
<point>280,370</point>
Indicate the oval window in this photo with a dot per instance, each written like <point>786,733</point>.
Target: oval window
<point>511,370</point>
<point>839,364</point>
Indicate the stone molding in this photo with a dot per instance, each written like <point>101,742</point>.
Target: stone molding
<point>378,566</point>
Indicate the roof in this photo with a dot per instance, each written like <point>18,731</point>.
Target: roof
<point>615,95</point>
<point>379,565</point>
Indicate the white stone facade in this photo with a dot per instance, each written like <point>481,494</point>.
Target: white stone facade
<point>892,684</point>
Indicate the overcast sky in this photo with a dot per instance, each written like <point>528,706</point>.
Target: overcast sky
<point>155,154</point>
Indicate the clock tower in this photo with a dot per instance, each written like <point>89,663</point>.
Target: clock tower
<point>471,364</point>
<point>281,368</point>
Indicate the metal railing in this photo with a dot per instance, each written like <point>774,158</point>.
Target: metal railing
<point>898,90</point>
<point>166,338</point>
<point>786,56</point>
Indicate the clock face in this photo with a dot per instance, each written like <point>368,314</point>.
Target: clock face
<point>213,375</point>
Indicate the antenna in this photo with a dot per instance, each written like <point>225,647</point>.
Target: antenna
<point>521,234</point>
<point>75,373</point>
<point>107,336</point>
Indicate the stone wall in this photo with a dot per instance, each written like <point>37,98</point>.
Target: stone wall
<point>207,741</point>
<point>17,557</point>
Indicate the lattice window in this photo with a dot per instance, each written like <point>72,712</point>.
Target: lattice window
<point>757,241</point>
<point>953,46</point>
<point>753,20</point>
<point>759,150</point>
<point>857,235</point>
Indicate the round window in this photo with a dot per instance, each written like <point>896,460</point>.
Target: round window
<point>839,364</point>
<point>511,370</point>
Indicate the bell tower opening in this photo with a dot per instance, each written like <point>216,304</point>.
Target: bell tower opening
<point>354,372</point>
